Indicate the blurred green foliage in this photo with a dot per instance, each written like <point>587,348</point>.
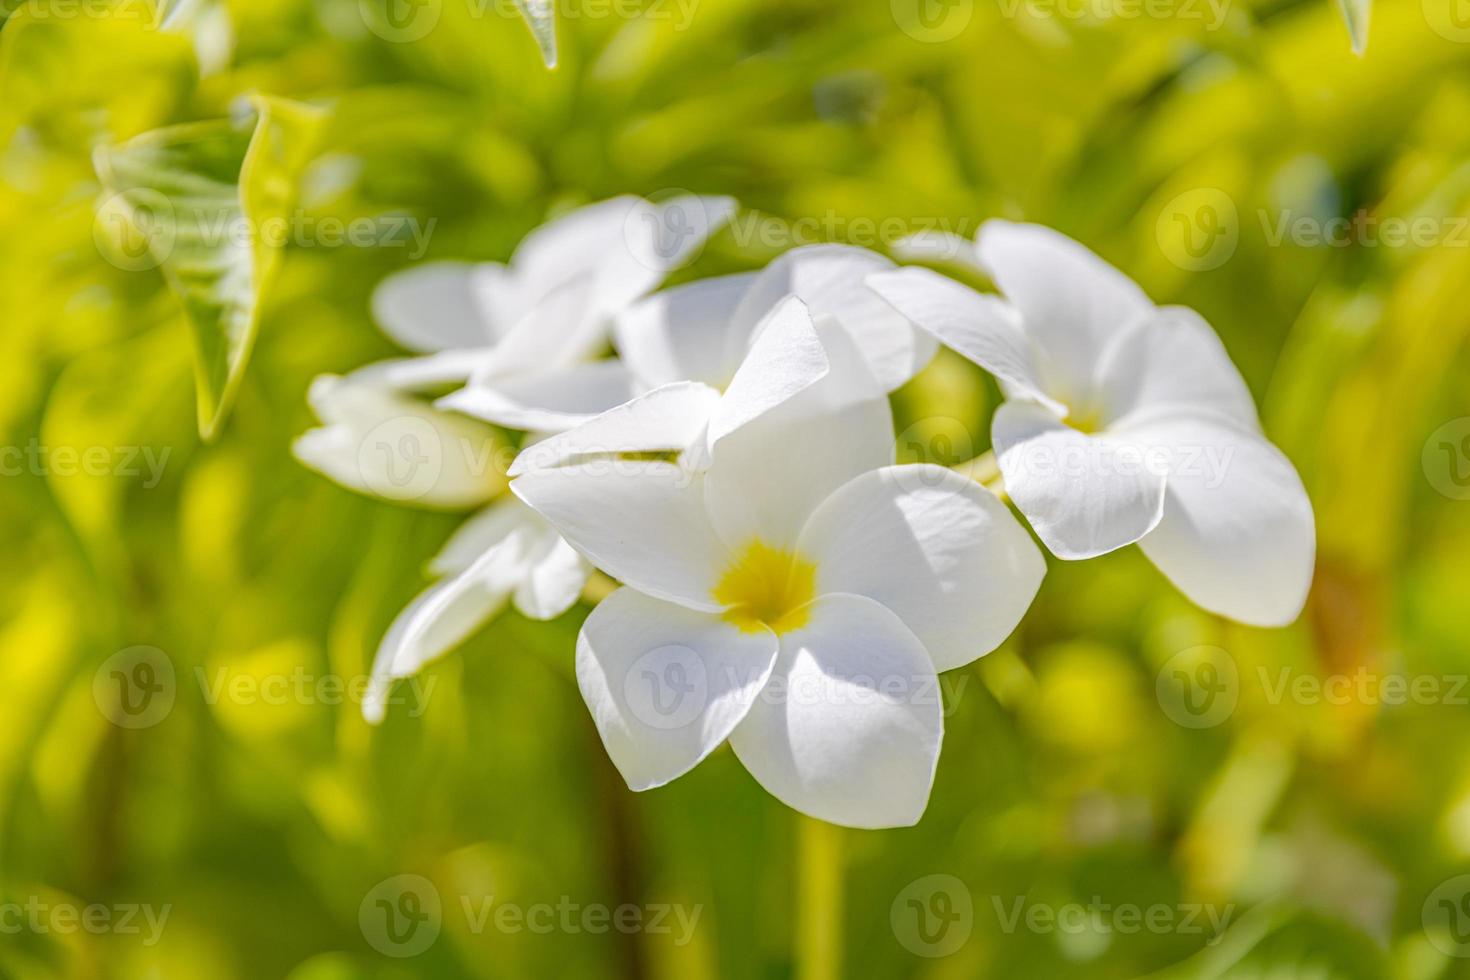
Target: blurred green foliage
<point>1323,828</point>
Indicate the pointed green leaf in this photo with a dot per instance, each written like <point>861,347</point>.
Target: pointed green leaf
<point>541,16</point>
<point>1355,12</point>
<point>204,203</point>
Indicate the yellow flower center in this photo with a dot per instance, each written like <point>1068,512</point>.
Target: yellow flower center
<point>1086,420</point>
<point>767,587</point>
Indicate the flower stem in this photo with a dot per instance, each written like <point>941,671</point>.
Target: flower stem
<point>818,900</point>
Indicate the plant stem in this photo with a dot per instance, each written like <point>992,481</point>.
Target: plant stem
<point>818,900</point>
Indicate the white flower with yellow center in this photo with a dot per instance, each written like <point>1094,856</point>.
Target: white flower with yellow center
<point>1125,422</point>
<point>794,593</point>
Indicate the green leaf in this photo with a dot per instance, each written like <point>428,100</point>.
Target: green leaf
<point>207,204</point>
<point>541,16</point>
<point>1355,12</point>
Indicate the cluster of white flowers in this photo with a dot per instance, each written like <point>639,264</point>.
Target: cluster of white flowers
<point>784,586</point>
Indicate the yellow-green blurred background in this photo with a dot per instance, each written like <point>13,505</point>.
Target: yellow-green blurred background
<point>1178,138</point>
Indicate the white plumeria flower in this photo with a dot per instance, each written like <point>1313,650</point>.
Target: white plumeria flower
<point>797,595</point>
<point>387,444</point>
<point>525,338</point>
<point>1125,422</point>
<point>690,343</point>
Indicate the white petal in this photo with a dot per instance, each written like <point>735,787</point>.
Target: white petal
<point>662,236</point>
<point>938,246</point>
<point>1172,362</point>
<point>684,333</point>
<point>629,243</point>
<point>570,244</point>
<point>849,728</point>
<point>440,619</point>
<point>786,358</point>
<point>670,418</point>
<point>1237,535</point>
<point>1071,301</point>
<point>666,685</point>
<point>482,531</point>
<point>829,279</point>
<point>1084,495</point>
<point>560,329</point>
<point>427,371</point>
<point>392,446</point>
<point>555,577</point>
<point>766,477</point>
<point>936,549</point>
<point>642,522</point>
<point>434,307</point>
<point>985,329</point>
<point>548,401</point>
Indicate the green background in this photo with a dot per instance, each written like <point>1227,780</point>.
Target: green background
<point>1321,828</point>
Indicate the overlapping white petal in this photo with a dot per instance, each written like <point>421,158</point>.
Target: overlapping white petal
<point>767,476</point>
<point>703,331</point>
<point>668,419</point>
<point>1237,534</point>
<point>666,685</point>
<point>545,401</point>
<point>828,278</point>
<point>1072,302</point>
<point>1171,362</point>
<point>684,333</point>
<point>850,726</point>
<point>688,418</point>
<point>983,328</point>
<point>1085,495</point>
<point>642,522</point>
<point>934,548</point>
